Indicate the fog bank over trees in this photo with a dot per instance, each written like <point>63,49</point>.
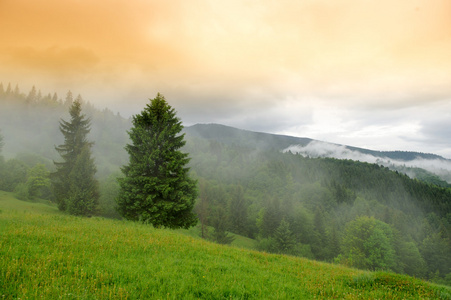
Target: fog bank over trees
<point>429,162</point>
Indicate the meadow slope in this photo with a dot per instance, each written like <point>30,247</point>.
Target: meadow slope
<point>49,255</point>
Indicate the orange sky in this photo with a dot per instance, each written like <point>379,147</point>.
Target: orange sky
<point>266,57</point>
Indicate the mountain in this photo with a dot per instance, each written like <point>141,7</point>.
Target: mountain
<point>233,136</point>
<point>424,166</point>
<point>317,206</point>
<point>267,141</point>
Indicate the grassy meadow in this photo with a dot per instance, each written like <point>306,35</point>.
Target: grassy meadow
<point>48,255</point>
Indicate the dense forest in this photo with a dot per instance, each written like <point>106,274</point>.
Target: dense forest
<point>343,211</point>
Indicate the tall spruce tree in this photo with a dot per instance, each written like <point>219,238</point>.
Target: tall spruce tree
<point>75,187</point>
<point>156,187</point>
<point>1,142</point>
<point>2,161</point>
<point>83,191</point>
<point>284,238</point>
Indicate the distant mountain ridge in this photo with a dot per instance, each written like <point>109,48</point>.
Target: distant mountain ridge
<point>230,135</point>
<point>267,141</point>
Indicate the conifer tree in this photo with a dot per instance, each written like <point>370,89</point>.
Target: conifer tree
<point>219,224</point>
<point>83,190</point>
<point>1,143</point>
<point>74,184</point>
<point>8,91</point>
<point>2,162</point>
<point>32,96</point>
<point>202,208</point>
<point>238,210</point>
<point>271,218</point>
<point>69,99</point>
<point>156,187</point>
<point>285,241</point>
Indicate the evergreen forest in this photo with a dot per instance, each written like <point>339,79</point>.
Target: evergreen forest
<point>347,212</point>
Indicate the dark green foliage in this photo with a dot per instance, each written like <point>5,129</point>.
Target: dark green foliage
<point>368,244</point>
<point>319,237</point>
<point>202,208</point>
<point>334,244</point>
<point>75,188</point>
<point>109,189</point>
<point>220,225</point>
<point>436,252</point>
<point>271,218</point>
<point>156,187</point>
<point>284,238</point>
<point>237,210</point>
<point>2,161</point>
<point>83,191</point>
<point>409,257</point>
<point>2,143</point>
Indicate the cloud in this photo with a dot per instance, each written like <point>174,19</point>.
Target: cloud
<point>321,149</point>
<point>339,49</point>
<point>334,70</point>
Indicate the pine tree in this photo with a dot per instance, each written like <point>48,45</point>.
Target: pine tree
<point>1,142</point>
<point>271,218</point>
<point>220,224</point>
<point>285,241</point>
<point>2,161</point>
<point>74,177</point>
<point>238,210</point>
<point>202,208</point>
<point>319,242</point>
<point>69,99</point>
<point>8,91</point>
<point>84,190</point>
<point>32,96</point>
<point>156,187</point>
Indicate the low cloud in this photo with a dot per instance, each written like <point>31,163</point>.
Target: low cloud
<point>440,167</point>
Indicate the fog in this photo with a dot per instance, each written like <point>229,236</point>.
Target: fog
<point>440,167</point>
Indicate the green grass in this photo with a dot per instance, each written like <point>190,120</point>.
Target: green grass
<point>48,255</point>
<point>239,241</point>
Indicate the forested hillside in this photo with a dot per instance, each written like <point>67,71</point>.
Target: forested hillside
<point>327,209</point>
<point>349,212</point>
<point>265,141</point>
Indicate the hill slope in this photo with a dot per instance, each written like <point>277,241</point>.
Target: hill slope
<point>266,141</point>
<point>424,166</point>
<point>49,255</point>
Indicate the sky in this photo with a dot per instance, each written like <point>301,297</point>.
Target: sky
<point>371,74</point>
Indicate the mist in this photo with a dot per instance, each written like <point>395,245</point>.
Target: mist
<point>440,167</point>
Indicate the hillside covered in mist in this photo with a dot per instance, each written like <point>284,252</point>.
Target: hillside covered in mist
<point>291,195</point>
